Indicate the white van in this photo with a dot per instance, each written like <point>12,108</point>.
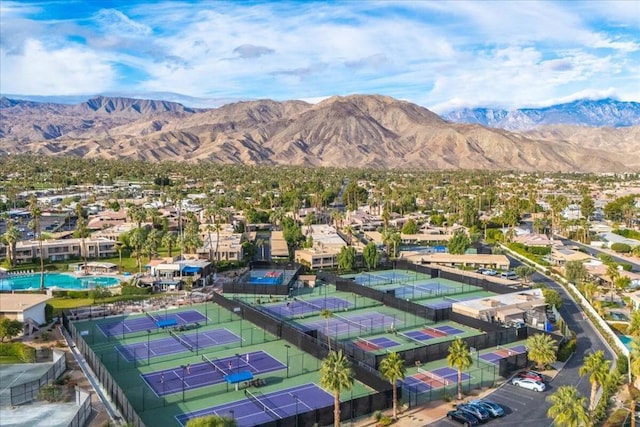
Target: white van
<point>509,275</point>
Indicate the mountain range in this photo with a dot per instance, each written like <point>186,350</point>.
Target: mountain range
<point>352,131</point>
<point>593,113</point>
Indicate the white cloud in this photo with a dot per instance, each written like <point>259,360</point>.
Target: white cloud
<point>42,71</point>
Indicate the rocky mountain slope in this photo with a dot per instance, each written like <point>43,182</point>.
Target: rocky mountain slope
<point>600,113</point>
<point>352,131</point>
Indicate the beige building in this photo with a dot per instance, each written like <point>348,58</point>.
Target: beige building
<point>223,245</point>
<point>279,248</point>
<point>500,262</point>
<point>327,244</point>
<point>528,306</point>
<point>60,250</point>
<point>24,307</point>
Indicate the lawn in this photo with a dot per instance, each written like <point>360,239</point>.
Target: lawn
<point>65,303</point>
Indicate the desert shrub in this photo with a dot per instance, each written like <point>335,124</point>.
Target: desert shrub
<point>621,248</point>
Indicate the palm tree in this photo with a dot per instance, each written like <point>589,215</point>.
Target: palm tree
<point>597,368</point>
<point>613,274</point>
<point>82,232</point>
<point>36,213</point>
<point>392,368</point>
<point>634,324</point>
<point>568,408</point>
<point>169,241</point>
<point>326,315</point>
<point>119,246</point>
<point>459,358</point>
<point>11,237</point>
<point>336,375</point>
<point>542,349</point>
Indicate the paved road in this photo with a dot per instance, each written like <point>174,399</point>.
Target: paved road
<point>594,252</point>
<point>528,408</point>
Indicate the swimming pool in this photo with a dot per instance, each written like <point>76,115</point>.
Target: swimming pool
<point>55,281</point>
<point>626,340</point>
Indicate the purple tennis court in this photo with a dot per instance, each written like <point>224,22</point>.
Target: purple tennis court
<point>366,322</point>
<point>431,333</point>
<point>144,323</point>
<point>430,380</point>
<point>502,353</point>
<point>313,306</point>
<point>170,345</point>
<point>260,408</point>
<point>203,374</point>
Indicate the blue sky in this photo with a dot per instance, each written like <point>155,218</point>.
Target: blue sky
<point>439,54</point>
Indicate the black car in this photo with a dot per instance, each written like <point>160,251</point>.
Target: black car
<point>464,418</point>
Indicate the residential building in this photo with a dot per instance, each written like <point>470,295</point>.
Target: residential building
<point>527,306</point>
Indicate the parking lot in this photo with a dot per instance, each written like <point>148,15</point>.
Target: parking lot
<point>522,407</point>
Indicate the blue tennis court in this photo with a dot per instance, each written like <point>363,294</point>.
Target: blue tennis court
<point>429,333</point>
<point>169,345</point>
<point>431,380</point>
<point>298,306</point>
<point>425,290</point>
<point>259,408</point>
<point>502,353</point>
<point>360,323</point>
<point>204,374</point>
<point>147,322</point>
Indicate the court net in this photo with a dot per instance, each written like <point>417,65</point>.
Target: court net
<point>252,397</point>
<point>215,367</point>
<point>150,316</point>
<point>374,279</point>
<point>430,376</point>
<point>363,342</point>
<point>181,340</point>
<point>353,323</point>
<point>434,332</point>
<point>308,304</point>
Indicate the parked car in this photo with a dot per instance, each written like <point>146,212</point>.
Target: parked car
<point>480,413</point>
<point>509,275</point>
<point>536,376</point>
<point>490,272</point>
<point>529,384</point>
<point>492,408</point>
<point>464,418</point>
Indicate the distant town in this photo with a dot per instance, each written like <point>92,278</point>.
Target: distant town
<point>554,255</point>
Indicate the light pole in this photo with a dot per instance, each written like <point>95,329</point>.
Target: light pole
<point>287,346</point>
<point>183,369</point>
<point>148,348</point>
<point>295,396</point>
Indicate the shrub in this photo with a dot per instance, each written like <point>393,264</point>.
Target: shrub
<point>48,313</point>
<point>622,365</point>
<point>621,248</point>
<point>377,415</point>
<point>566,349</point>
<point>385,420</point>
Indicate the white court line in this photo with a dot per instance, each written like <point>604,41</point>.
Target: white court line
<point>14,380</point>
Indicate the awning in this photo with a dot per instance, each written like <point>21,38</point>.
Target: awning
<point>191,269</point>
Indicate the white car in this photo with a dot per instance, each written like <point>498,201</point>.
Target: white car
<point>529,384</point>
<point>490,272</point>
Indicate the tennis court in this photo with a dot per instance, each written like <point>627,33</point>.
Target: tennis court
<point>258,408</point>
<point>298,307</point>
<point>502,353</point>
<point>428,333</point>
<point>138,323</point>
<point>209,372</point>
<point>362,323</point>
<point>375,344</point>
<point>430,380</point>
<point>171,345</point>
